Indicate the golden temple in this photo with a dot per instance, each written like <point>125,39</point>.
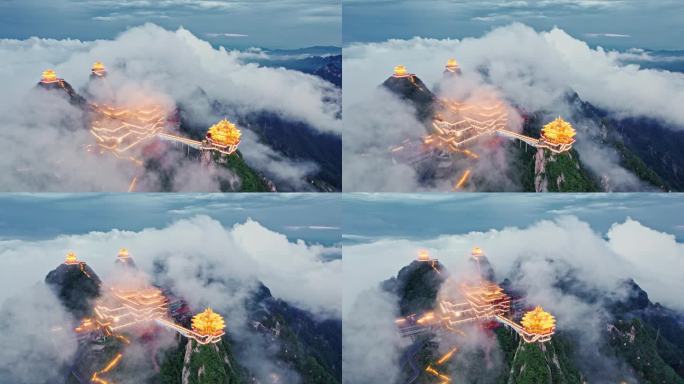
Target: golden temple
<point>98,69</point>
<point>538,321</point>
<point>400,71</point>
<point>559,131</point>
<point>49,76</point>
<point>71,258</point>
<point>224,133</point>
<point>208,323</point>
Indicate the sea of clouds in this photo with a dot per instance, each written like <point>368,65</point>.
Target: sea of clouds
<point>42,135</point>
<point>203,261</point>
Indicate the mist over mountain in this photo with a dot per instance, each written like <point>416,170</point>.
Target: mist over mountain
<point>538,76</point>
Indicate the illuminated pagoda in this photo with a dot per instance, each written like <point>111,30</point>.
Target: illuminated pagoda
<point>209,324</point>
<point>49,76</point>
<point>481,302</point>
<point>539,324</point>
<point>223,137</point>
<point>118,129</point>
<point>400,71</point>
<point>557,136</point>
<point>477,253</point>
<point>50,81</point>
<point>424,257</point>
<point>452,67</point>
<point>98,70</point>
<point>458,124</point>
<point>71,259</point>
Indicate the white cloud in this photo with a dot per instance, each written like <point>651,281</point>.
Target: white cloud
<point>536,259</point>
<point>194,250</point>
<point>532,70</point>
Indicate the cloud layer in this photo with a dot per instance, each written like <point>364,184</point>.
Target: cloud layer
<point>200,259</point>
<point>628,250</point>
<point>535,258</point>
<point>209,83</point>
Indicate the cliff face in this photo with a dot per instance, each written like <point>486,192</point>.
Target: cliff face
<point>76,285</point>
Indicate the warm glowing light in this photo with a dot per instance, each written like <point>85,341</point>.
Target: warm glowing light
<point>400,71</point>
<point>123,253</point>
<point>477,252</point>
<point>426,318</point>
<point>49,76</point>
<point>462,180</point>
<point>423,255</point>
<point>71,258</point>
<point>98,69</point>
<point>460,124</point>
<point>224,134</point>
<point>559,131</point>
<point>123,308</point>
<point>452,65</point>
<point>208,323</point>
<point>113,363</point>
<point>538,322</point>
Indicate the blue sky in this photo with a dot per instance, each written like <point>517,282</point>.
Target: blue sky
<point>314,218</point>
<point>618,24</point>
<point>232,23</point>
<point>368,217</point>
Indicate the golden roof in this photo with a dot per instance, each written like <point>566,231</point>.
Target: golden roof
<point>423,255</point>
<point>400,70</point>
<point>224,133</point>
<point>49,75</point>
<point>538,321</point>
<point>559,131</point>
<point>477,252</point>
<point>71,258</point>
<point>98,67</point>
<point>208,323</point>
<point>123,253</point>
<point>452,63</point>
